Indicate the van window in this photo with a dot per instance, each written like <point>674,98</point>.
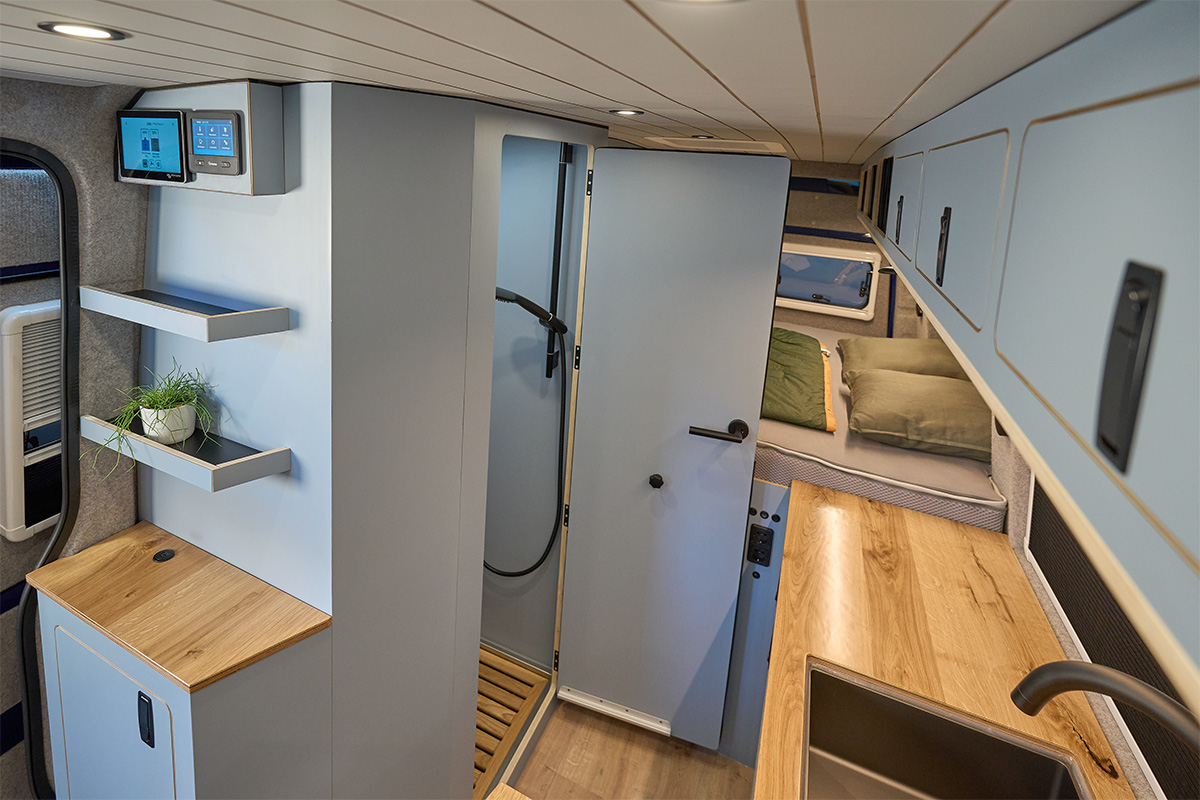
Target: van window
<point>827,281</point>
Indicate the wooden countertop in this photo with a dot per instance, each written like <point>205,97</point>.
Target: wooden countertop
<point>935,607</point>
<point>194,618</point>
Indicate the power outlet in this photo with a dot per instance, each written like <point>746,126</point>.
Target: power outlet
<point>758,551</point>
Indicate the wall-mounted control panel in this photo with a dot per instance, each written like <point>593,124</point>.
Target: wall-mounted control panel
<point>215,142</point>
<point>229,138</point>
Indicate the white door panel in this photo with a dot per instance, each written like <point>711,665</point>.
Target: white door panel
<point>682,259</point>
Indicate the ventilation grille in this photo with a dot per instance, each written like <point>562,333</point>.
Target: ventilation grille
<point>41,362</point>
<point>1109,638</point>
<point>719,145</point>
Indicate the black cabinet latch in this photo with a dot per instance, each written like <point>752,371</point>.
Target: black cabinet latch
<point>1128,355</point>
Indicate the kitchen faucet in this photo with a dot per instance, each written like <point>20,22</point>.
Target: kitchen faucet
<point>1056,677</point>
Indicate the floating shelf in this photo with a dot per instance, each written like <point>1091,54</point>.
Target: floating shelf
<point>213,463</point>
<point>165,312</point>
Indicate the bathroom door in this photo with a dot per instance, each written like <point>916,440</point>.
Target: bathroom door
<point>682,257</point>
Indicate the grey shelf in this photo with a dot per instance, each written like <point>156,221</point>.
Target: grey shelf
<point>191,318</point>
<point>213,463</point>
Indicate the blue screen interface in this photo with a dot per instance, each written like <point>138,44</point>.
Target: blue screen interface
<point>151,144</point>
<point>212,137</point>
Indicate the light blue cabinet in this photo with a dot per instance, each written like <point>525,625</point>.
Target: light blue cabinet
<point>1098,188</point>
<point>104,714</point>
<point>960,220</point>
<point>905,213</point>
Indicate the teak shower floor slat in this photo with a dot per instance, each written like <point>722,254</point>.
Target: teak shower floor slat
<point>508,692</point>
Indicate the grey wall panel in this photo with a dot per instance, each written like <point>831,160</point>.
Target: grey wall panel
<point>401,252</point>
<point>518,613</point>
<point>77,124</point>
<point>272,390</point>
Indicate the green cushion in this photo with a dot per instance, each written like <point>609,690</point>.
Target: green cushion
<point>919,356</point>
<point>795,389</point>
<point>921,412</point>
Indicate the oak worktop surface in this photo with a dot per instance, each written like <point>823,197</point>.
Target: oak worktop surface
<point>194,618</point>
<point>934,607</point>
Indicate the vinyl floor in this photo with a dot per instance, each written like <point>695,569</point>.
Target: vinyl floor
<point>583,755</point>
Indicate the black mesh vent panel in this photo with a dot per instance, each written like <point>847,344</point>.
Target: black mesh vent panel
<point>1110,639</point>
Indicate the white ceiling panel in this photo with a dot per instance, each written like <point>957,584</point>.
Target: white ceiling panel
<point>485,29</point>
<point>130,57</point>
<point>736,70</point>
<point>617,35</point>
<point>719,35</point>
<point>870,54</point>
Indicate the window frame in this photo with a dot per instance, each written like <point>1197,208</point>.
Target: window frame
<point>866,313</point>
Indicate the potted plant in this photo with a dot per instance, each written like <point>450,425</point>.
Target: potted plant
<point>169,408</point>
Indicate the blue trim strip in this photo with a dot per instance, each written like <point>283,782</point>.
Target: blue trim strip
<point>12,729</point>
<point>822,185</point>
<point>19,271</point>
<point>826,233</point>
<point>11,596</point>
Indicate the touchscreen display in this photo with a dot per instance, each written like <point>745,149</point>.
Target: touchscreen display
<point>151,144</point>
<point>212,137</point>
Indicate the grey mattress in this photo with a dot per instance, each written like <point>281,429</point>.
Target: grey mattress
<point>956,488</point>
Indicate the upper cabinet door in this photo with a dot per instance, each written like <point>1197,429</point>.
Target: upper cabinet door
<point>1097,189</point>
<point>683,252</point>
<point>960,217</point>
<point>905,212</point>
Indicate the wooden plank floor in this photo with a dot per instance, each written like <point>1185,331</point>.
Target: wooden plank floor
<point>508,693</point>
<point>583,755</point>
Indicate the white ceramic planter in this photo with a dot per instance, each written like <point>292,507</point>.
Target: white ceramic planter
<point>170,426</point>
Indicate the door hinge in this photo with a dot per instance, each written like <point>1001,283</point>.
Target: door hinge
<point>588,191</point>
<point>566,514</point>
<point>576,356</point>
<point>556,661</point>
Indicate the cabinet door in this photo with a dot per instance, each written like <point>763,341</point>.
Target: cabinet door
<point>960,215</point>
<point>678,294</point>
<point>905,213</point>
<point>1097,189</point>
<point>105,753</point>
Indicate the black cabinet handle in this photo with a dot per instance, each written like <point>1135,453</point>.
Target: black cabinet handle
<point>899,216</point>
<point>738,431</point>
<point>943,243</point>
<point>1125,365</point>
<point>656,481</point>
<point>146,718</point>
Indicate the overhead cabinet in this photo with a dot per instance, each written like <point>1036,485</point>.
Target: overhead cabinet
<point>960,219</point>
<point>1131,189</point>
<point>905,204</point>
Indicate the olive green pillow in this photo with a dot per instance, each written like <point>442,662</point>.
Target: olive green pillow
<point>921,412</point>
<point>920,356</point>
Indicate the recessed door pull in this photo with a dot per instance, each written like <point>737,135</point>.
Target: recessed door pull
<point>738,431</point>
<point>1125,367</point>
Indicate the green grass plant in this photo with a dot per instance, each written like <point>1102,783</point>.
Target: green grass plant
<point>167,391</point>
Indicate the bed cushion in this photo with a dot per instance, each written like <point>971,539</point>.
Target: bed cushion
<point>797,388</point>
<point>922,412</point>
<point>919,356</point>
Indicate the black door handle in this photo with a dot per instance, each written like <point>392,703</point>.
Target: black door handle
<point>1125,366</point>
<point>738,431</point>
<point>943,243</point>
<point>899,216</point>
<point>145,718</point>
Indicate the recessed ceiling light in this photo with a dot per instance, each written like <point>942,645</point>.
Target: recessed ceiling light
<point>82,31</point>
<point>702,136</point>
<point>626,112</point>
